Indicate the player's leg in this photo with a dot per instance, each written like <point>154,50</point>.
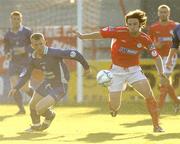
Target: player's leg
<point>172,94</point>
<point>39,94</point>
<point>162,96</point>
<point>35,117</point>
<point>18,97</point>
<point>43,109</point>
<point>44,105</point>
<point>114,102</point>
<point>167,88</point>
<point>115,90</point>
<point>143,87</point>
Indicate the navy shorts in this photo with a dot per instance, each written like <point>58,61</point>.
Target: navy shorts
<point>56,91</point>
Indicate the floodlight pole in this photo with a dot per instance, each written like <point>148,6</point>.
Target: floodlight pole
<point>79,92</point>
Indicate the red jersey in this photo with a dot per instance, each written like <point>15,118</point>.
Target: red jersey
<point>162,33</point>
<point>125,49</point>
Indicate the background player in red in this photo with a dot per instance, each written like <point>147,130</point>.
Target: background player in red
<point>161,33</point>
<point>126,46</point>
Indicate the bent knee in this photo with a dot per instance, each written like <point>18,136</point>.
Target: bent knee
<point>40,109</point>
<point>32,105</point>
<point>149,94</point>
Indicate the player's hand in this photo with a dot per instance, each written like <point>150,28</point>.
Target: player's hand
<point>78,34</point>
<point>169,64</point>
<point>12,92</point>
<point>88,73</point>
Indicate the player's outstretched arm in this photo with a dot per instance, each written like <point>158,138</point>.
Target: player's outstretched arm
<point>24,76</point>
<point>68,54</point>
<point>159,66</point>
<point>90,36</point>
<point>172,52</point>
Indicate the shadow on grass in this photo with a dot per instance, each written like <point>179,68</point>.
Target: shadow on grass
<point>162,136</point>
<point>29,137</point>
<point>105,136</point>
<point>140,123</point>
<point>128,108</point>
<point>5,117</point>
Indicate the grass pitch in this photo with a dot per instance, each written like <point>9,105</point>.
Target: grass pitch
<point>91,124</point>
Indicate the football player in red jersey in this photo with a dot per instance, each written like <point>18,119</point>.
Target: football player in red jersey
<point>128,41</point>
<point>161,33</point>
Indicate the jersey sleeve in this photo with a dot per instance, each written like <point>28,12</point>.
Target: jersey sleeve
<point>151,49</point>
<point>25,75</point>
<point>109,32</point>
<point>6,44</point>
<point>175,39</point>
<point>68,54</point>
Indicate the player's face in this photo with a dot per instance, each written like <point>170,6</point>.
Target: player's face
<point>16,20</point>
<point>163,14</point>
<point>38,45</point>
<point>133,25</point>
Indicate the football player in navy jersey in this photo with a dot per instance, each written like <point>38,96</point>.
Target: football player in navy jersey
<point>173,51</point>
<point>17,49</point>
<point>51,90</point>
<point>175,45</point>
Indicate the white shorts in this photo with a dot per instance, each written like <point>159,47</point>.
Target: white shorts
<point>123,76</point>
<point>168,71</point>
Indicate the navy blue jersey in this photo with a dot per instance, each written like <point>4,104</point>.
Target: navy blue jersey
<point>176,37</point>
<point>17,41</point>
<point>50,65</point>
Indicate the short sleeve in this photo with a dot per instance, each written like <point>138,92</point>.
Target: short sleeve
<point>151,48</point>
<point>109,32</point>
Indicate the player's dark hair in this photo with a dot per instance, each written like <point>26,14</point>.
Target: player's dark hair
<point>138,14</point>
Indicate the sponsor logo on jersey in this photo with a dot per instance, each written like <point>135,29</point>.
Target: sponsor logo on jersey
<point>128,51</point>
<point>154,53</point>
<point>165,39</point>
<point>139,45</point>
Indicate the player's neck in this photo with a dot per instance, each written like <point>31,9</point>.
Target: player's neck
<point>16,28</point>
<point>134,34</point>
<point>164,22</point>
